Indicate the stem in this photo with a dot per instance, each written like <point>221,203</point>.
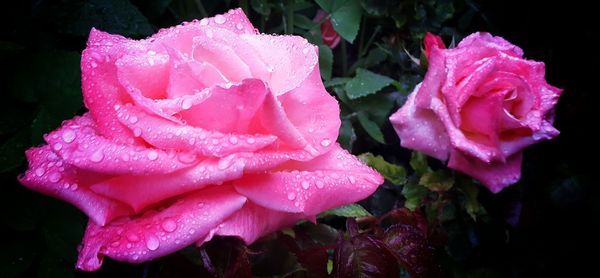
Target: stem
<point>201,8</point>
<point>289,16</point>
<point>344,58</point>
<point>361,40</point>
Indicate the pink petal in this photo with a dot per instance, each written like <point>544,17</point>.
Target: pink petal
<point>483,39</point>
<point>419,129</point>
<point>137,67</point>
<point>78,144</point>
<point>165,134</point>
<point>101,88</point>
<point>331,180</point>
<point>188,76</point>
<point>290,58</point>
<point>156,234</point>
<point>495,175</point>
<point>253,221</point>
<point>50,175</point>
<point>228,110</point>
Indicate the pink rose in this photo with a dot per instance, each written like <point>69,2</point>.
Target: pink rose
<point>330,37</point>
<point>480,104</point>
<point>207,128</point>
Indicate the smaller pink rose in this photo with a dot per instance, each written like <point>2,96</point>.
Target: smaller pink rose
<point>479,106</point>
<point>330,37</point>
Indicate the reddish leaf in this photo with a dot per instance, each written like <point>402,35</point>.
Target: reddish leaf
<point>410,246</point>
<point>363,256</point>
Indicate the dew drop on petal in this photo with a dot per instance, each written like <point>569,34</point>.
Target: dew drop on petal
<point>152,243</point>
<point>152,155</point>
<point>57,146</point>
<point>97,156</point>
<point>319,184</point>
<point>68,136</point>
<point>186,104</point>
<point>291,196</point>
<point>54,177</point>
<point>220,19</point>
<point>250,140</point>
<point>233,140</point>
<point>325,142</point>
<point>40,172</point>
<point>239,26</point>
<point>133,119</point>
<point>169,225</point>
<point>137,132</point>
<point>305,184</point>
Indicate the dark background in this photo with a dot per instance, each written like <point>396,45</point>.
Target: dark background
<point>558,199</point>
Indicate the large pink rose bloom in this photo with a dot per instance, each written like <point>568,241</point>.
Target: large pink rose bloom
<point>479,106</point>
<point>204,129</point>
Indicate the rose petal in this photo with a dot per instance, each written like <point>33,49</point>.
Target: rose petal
<point>331,180</point>
<point>101,88</point>
<point>167,135</point>
<point>50,175</point>
<point>78,144</point>
<point>253,221</point>
<point>486,40</point>
<point>291,58</point>
<point>495,175</point>
<point>159,233</point>
<point>240,103</point>
<point>419,129</point>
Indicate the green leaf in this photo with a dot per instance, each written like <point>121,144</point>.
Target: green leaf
<point>112,16</point>
<point>440,180</point>
<point>377,106</point>
<point>414,194</point>
<point>351,210</point>
<point>336,81</point>
<point>418,162</point>
<point>370,127</point>
<point>325,61</point>
<point>347,135</point>
<point>471,192</point>
<point>366,83</point>
<point>395,174</point>
<point>345,16</point>
<point>261,6</point>
<point>304,22</point>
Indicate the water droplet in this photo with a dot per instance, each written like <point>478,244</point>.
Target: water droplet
<point>291,196</point>
<point>152,155</point>
<point>233,140</point>
<point>250,140</point>
<point>133,119</point>
<point>68,136</point>
<point>125,157</point>
<point>117,107</point>
<point>137,132</point>
<point>352,179</point>
<point>40,172</point>
<point>152,243</point>
<point>169,225</point>
<point>204,22</point>
<point>305,51</point>
<point>191,231</point>
<point>97,156</point>
<point>115,243</point>
<point>54,177</point>
<point>57,146</point>
<point>132,237</point>
<point>209,33</point>
<point>93,64</point>
<point>305,184</point>
<point>311,150</point>
<point>320,184</point>
<point>135,257</point>
<point>239,26</point>
<point>220,19</point>
<point>192,141</point>
<point>186,104</point>
<point>187,157</point>
<point>325,142</point>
